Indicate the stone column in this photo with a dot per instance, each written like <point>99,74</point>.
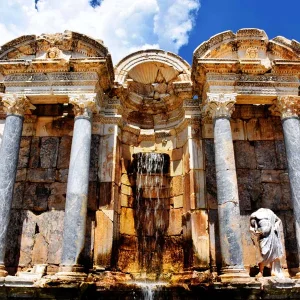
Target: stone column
<point>220,107</point>
<point>77,187</point>
<point>287,107</point>
<point>15,106</point>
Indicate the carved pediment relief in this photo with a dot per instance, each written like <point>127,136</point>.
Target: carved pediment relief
<point>53,46</point>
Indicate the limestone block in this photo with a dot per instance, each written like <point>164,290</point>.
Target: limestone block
<point>200,237</point>
<point>57,202</point>
<point>186,158</point>
<point>271,196</point>
<point>277,128</point>
<point>176,186</point>
<point>41,175</point>
<point>49,126</point>
<point>176,154</point>
<point>173,256</point>
<point>129,138</point>
<point>64,152</point>
<point>126,152</point>
<point>19,189</point>
<point>127,225</point>
<point>24,152</point>
<point>107,194</point>
<point>49,151</point>
<point>62,175</point>
<point>253,130</point>
<point>280,154</point>
<point>237,129</point>
<point>177,201</point>
<point>186,193</point>
<point>249,187</point>
<point>266,128</point>
<point>181,138</point>
<point>106,160</point>
<point>194,131</point>
<point>34,161</point>
<point>207,131</point>
<point>124,200</point>
<point>214,238</point>
<point>95,144</point>
<point>145,146</point>
<point>28,129</point>
<point>175,222</point>
<point>165,144</point>
<point>265,154</point>
<point>197,189</point>
<point>103,239</point>
<point>36,196</point>
<point>156,193</point>
<point>93,174</point>
<point>125,180</point>
<point>126,190</point>
<point>176,168</point>
<point>93,196</point>
<point>21,175</point>
<point>40,250</point>
<point>50,226</point>
<point>260,129</point>
<point>196,154</point>
<point>244,154</point>
<point>270,176</point>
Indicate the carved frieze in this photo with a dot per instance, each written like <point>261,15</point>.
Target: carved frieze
<point>16,104</point>
<point>219,105</point>
<point>286,106</point>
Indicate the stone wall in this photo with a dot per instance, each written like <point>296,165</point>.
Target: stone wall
<point>262,179</point>
<point>36,225</point>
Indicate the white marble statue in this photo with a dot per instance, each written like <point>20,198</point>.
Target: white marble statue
<point>265,225</point>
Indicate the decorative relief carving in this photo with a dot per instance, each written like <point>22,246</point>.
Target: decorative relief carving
<point>286,106</point>
<point>84,104</point>
<point>252,53</point>
<point>219,105</point>
<point>265,225</point>
<point>16,104</point>
<point>53,53</point>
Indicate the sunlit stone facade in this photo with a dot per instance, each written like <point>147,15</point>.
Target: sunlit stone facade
<point>74,206</point>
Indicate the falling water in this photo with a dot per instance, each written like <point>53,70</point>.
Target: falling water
<point>151,211</point>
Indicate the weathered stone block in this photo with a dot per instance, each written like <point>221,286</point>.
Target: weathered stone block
<point>175,222</point>
<point>265,155</point>
<point>107,159</point>
<point>244,154</point>
<point>93,196</point>
<point>62,175</point>
<point>186,158</point>
<point>176,186</point>
<point>126,152</point>
<point>95,147</point>
<point>173,256</point>
<point>107,194</point>
<point>249,187</point>
<point>199,222</point>
<point>177,201</point>
<point>237,129</point>
<point>127,224</point>
<point>103,239</point>
<point>93,174</point>
<point>57,202</point>
<point>24,152</point>
<point>126,190</point>
<point>176,154</point>
<point>36,196</point>
<point>34,161</point>
<point>277,128</point>
<point>49,126</point>
<point>207,131</point>
<point>21,175</point>
<point>196,152</point>
<point>280,154</point>
<point>40,250</point>
<point>197,189</point>
<point>214,239</point>
<point>64,152</point>
<point>176,168</point>
<point>41,175</point>
<point>48,152</point>
<point>272,196</point>
<point>270,176</point>
<point>129,138</point>
<point>181,138</point>
<point>19,189</point>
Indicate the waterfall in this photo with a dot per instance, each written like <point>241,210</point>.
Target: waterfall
<point>152,203</point>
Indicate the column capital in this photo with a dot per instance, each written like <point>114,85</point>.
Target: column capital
<point>84,104</point>
<point>219,105</point>
<point>286,106</point>
<point>16,104</point>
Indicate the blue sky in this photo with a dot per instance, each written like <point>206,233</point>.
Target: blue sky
<point>125,26</point>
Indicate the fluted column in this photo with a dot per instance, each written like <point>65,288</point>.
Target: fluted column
<point>219,107</point>
<point>287,107</point>
<point>77,186</point>
<point>15,106</point>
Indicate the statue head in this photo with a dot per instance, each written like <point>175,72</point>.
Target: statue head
<point>262,221</point>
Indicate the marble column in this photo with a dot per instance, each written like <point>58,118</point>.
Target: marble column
<point>77,186</point>
<point>287,107</point>
<point>219,107</point>
<point>15,106</point>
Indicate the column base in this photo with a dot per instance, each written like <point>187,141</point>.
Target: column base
<point>234,275</point>
<point>74,272</point>
<point>3,272</point>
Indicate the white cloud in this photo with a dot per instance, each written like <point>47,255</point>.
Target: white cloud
<point>124,25</point>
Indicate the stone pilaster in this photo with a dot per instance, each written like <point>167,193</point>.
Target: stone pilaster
<point>77,186</point>
<point>287,107</point>
<point>220,107</point>
<point>15,106</point>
